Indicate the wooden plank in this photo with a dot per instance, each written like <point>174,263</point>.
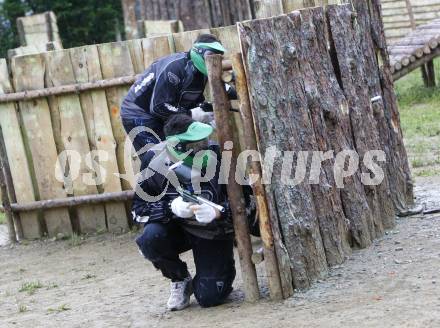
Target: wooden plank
<point>18,162</point>
<point>228,36</point>
<point>71,136</point>
<point>28,74</point>
<point>184,41</point>
<point>157,47</point>
<point>116,61</point>
<point>86,66</point>
<point>162,27</point>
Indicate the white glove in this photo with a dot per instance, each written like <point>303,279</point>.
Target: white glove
<point>205,213</point>
<point>181,208</point>
<point>201,116</point>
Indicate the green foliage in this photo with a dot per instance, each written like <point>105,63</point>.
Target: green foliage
<point>2,218</point>
<point>30,287</point>
<point>80,22</point>
<point>420,118</point>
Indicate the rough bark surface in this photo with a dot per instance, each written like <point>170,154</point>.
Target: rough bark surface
<point>313,88</point>
<point>280,112</point>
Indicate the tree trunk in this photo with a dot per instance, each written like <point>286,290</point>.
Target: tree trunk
<point>281,116</point>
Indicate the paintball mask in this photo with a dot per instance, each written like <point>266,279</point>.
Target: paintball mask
<point>191,147</point>
<point>200,50</point>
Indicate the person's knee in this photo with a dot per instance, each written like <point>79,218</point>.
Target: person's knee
<point>149,242</point>
<point>211,292</point>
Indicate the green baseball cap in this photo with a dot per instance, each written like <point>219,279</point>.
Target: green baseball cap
<point>196,131</point>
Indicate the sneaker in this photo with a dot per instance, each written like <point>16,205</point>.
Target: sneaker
<point>180,294</point>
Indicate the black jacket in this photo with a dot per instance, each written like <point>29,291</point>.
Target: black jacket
<point>156,183</point>
<point>171,85</point>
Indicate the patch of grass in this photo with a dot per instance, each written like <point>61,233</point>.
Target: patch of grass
<point>52,286</point>
<point>88,276</point>
<point>30,287</point>
<point>2,218</point>
<point>22,308</point>
<point>420,117</point>
<point>76,240</point>
<point>61,308</point>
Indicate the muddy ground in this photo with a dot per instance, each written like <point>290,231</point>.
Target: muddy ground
<point>103,282</point>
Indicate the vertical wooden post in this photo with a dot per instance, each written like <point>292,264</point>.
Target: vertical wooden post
<point>428,74</point>
<point>268,8</point>
<point>271,262</point>
<point>130,21</point>
<point>409,8</point>
<point>5,194</point>
<point>235,193</point>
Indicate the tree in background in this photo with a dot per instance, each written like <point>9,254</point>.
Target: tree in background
<point>80,22</point>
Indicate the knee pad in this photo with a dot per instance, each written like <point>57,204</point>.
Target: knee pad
<point>211,291</point>
<point>149,241</point>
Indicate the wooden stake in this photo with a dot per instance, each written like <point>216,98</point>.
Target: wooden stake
<point>271,262</point>
<point>5,194</point>
<point>120,196</point>
<point>235,193</point>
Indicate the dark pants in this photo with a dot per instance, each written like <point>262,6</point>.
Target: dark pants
<point>144,138</point>
<point>214,260</point>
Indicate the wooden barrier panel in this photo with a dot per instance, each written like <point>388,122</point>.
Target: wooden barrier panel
<point>279,123</point>
<point>17,157</point>
<point>28,74</point>
<point>116,61</point>
<point>157,47</point>
<point>184,41</point>
<point>153,28</point>
<point>86,66</point>
<point>71,137</point>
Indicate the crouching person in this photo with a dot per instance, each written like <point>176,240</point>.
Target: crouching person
<point>174,226</point>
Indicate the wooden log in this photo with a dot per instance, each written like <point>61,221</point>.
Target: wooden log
<point>428,74</point>
<point>28,73</point>
<point>350,50</point>
<point>399,171</point>
<point>130,22</point>
<point>86,66</point>
<point>17,159</point>
<point>398,74</point>
<point>82,87</point>
<point>386,112</point>
<point>408,50</point>
<point>5,193</point>
<point>268,8</point>
<point>277,292</point>
<point>72,202</point>
<point>116,62</point>
<point>281,106</point>
<point>66,89</point>
<point>235,194</point>
<point>71,136</point>
<point>331,123</point>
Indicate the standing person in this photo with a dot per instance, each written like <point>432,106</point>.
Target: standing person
<point>172,85</point>
<point>174,226</point>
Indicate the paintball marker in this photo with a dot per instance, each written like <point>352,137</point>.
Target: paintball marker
<point>189,197</point>
<point>185,175</point>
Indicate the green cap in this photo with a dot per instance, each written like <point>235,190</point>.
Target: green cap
<point>215,46</point>
<point>198,59</point>
<point>196,131</point>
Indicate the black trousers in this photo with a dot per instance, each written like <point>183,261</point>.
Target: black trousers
<point>214,260</point>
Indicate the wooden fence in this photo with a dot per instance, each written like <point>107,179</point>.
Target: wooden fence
<point>400,17</point>
<point>200,14</point>
<point>44,134</point>
<point>328,90</point>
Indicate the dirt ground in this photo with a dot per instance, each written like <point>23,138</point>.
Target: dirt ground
<point>103,282</point>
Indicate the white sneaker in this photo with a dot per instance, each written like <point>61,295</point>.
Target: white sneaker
<point>180,294</point>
